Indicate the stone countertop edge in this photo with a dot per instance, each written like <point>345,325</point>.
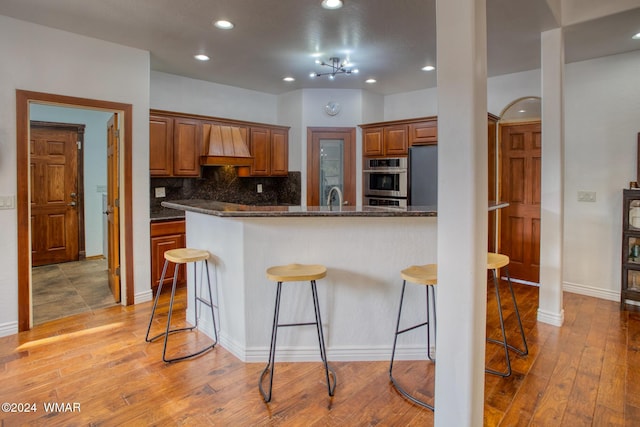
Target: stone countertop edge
<point>221,209</point>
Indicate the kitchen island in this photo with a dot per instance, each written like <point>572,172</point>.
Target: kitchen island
<point>363,248</point>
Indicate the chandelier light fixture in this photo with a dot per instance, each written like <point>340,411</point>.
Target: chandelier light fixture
<point>337,67</point>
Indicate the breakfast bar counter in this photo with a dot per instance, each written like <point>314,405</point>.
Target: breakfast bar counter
<point>364,250</point>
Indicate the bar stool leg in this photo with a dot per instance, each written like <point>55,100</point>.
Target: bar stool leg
<point>504,335</point>
<point>525,350</point>
<point>272,349</point>
<point>433,294</point>
<point>197,299</point>
<point>323,350</point>
<point>155,303</point>
<point>393,351</point>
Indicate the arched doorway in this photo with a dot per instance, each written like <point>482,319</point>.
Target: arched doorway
<point>520,155</point>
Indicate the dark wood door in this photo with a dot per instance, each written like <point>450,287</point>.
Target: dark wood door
<point>318,181</point>
<point>113,206</point>
<point>521,167</point>
<point>54,195</point>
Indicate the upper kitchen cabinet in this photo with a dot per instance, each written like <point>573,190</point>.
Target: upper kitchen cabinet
<point>174,146</point>
<point>394,138</point>
<point>423,132</point>
<point>269,147</point>
<point>380,141</point>
<point>160,146</point>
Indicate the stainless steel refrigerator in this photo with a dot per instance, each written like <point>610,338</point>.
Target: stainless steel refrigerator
<point>423,175</point>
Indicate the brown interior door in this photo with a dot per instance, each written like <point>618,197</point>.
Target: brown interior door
<point>54,195</point>
<point>520,233</point>
<point>331,154</point>
<point>113,206</point>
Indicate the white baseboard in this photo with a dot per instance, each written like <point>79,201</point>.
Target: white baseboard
<point>591,291</point>
<point>555,319</point>
<point>143,296</point>
<point>9,328</point>
<point>338,354</point>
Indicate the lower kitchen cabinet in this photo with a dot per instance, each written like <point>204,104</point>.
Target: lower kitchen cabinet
<point>166,235</point>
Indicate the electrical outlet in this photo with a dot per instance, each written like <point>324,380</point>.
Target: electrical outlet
<point>586,196</point>
<point>259,188</point>
<point>160,192</point>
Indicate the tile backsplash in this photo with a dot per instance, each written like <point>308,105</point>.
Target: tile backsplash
<point>222,183</point>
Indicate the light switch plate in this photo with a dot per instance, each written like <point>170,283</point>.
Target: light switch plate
<point>7,202</point>
<point>586,196</point>
<point>160,192</point>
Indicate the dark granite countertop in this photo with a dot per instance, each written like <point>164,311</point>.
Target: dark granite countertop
<point>165,214</point>
<point>222,209</point>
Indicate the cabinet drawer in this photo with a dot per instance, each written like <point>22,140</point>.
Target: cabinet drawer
<point>167,227</point>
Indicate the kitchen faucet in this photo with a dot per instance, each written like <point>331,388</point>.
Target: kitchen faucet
<point>329,199</point>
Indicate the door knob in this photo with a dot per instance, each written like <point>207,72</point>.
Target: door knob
<point>71,204</point>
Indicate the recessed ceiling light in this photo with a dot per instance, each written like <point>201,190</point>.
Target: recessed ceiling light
<point>370,81</point>
<point>636,36</point>
<point>332,4</point>
<point>289,79</point>
<point>223,25</point>
<point>522,111</point>
<point>428,68</point>
<point>201,57</point>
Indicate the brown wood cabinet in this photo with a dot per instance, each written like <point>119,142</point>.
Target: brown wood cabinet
<point>166,235</point>
<point>178,142</point>
<point>393,138</point>
<point>270,150</point>
<point>160,146</point>
<point>175,144</point>
<point>385,141</point>
<point>423,132</point>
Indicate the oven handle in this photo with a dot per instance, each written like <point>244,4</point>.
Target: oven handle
<point>385,170</point>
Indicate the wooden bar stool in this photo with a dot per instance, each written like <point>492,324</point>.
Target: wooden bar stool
<point>296,273</point>
<point>420,275</point>
<point>179,257</point>
<point>495,262</point>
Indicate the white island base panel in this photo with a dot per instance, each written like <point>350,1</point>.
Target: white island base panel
<point>359,297</point>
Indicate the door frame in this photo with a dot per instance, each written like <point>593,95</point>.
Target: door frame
<point>312,167</point>
<point>79,129</point>
<point>23,99</point>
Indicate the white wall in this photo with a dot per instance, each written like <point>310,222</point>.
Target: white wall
<point>185,95</point>
<point>408,105</point>
<point>94,153</point>
<point>42,59</point>
<point>602,121</point>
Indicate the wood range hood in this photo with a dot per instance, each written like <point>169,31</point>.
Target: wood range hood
<point>225,145</point>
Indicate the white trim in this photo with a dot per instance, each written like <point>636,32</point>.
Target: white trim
<point>555,319</point>
<point>143,296</point>
<point>8,328</point>
<point>591,291</point>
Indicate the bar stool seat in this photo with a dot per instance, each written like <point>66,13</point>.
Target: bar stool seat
<point>296,273</point>
<point>182,256</point>
<point>496,261</point>
<point>420,275</point>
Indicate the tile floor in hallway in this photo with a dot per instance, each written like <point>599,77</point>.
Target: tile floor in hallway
<point>60,290</point>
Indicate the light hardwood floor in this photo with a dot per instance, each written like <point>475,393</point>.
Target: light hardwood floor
<point>585,373</point>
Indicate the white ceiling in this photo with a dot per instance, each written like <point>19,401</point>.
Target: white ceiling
<point>389,40</point>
